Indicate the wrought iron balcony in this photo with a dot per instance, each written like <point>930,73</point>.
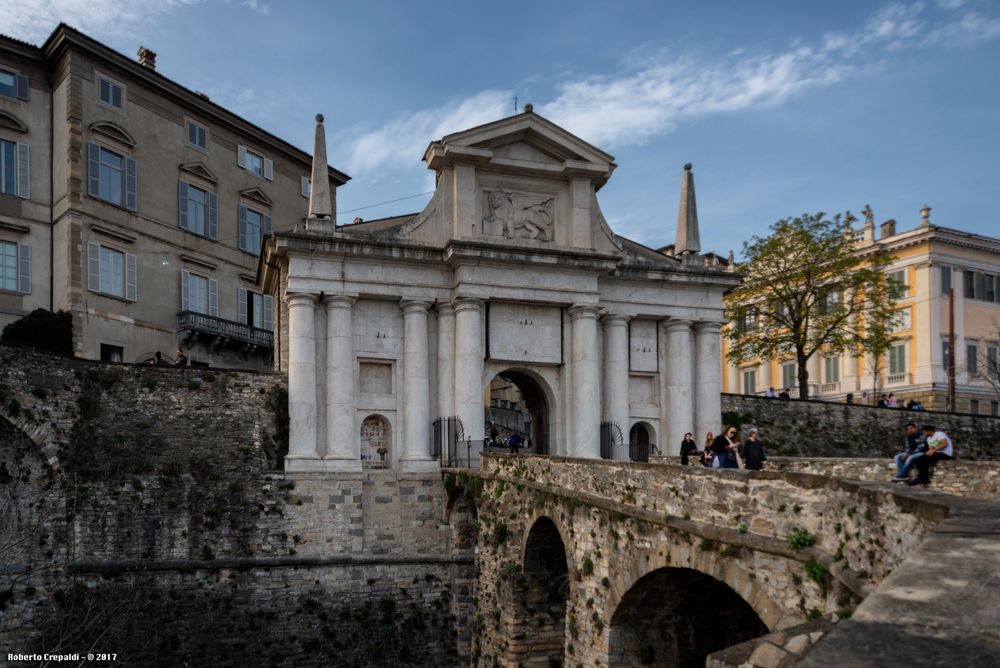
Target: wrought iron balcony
<point>195,324</point>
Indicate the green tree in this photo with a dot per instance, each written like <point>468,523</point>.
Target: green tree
<point>807,289</point>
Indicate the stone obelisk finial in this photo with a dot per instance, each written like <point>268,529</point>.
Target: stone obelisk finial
<point>687,241</point>
<point>319,192</point>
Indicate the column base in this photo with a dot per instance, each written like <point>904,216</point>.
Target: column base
<point>419,464</point>
<point>306,464</point>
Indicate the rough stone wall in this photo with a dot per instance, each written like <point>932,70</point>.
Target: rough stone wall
<point>829,429</point>
<point>622,521</point>
<point>169,530</point>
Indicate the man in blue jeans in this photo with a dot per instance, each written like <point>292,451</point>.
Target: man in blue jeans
<point>914,447</point>
<point>939,446</point>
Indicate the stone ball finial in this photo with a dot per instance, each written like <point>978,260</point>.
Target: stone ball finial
<point>528,108</point>
<point>319,118</point>
<point>688,166</point>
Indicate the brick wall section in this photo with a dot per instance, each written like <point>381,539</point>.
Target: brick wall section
<point>165,500</point>
<point>828,429</point>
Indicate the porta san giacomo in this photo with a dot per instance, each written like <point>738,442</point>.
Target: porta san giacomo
<point>341,510</point>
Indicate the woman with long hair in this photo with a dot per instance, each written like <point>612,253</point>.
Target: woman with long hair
<point>725,443</point>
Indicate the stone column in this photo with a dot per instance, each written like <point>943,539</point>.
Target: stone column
<point>679,407</point>
<point>446,360</point>
<point>586,403</point>
<point>764,380</point>
<point>343,447</point>
<point>301,381</point>
<point>469,366</point>
<point>416,387</point>
<point>707,378</point>
<point>812,366</point>
<point>616,374</point>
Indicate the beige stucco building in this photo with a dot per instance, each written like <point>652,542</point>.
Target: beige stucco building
<point>928,260</point>
<point>138,205</point>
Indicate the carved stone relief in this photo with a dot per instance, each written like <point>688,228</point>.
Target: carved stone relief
<point>517,216</point>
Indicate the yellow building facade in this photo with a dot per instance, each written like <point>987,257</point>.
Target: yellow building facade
<point>932,262</point>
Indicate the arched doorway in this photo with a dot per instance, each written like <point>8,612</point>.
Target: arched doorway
<point>544,592</point>
<point>516,403</point>
<point>640,438</point>
<point>677,617</point>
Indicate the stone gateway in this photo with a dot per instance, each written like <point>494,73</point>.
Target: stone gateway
<point>399,325</point>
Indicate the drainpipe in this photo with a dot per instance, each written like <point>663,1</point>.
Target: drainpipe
<point>52,164</point>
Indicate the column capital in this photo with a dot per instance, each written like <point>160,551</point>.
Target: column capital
<point>444,308</point>
<point>615,319</point>
<point>708,326</point>
<point>338,301</point>
<point>673,325</point>
<point>467,304</point>
<point>301,299</point>
<point>578,311</point>
<point>409,305</point>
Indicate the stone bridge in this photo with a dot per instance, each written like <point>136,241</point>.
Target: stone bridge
<point>591,563</point>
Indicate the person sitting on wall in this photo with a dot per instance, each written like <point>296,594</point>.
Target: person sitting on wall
<point>891,401</point>
<point>939,446</point>
<point>770,393</point>
<point>725,449</point>
<point>688,448</point>
<point>914,447</point>
<point>753,452</point>
<point>784,394</point>
<point>883,401</point>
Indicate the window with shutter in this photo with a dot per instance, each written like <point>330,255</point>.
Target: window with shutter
<point>8,168</point>
<point>241,156</point>
<point>252,226</point>
<point>112,177</point>
<point>111,272</point>
<point>241,306</point>
<point>24,275</point>
<point>196,293</point>
<point>182,204</point>
<point>268,169</point>
<point>305,186</point>
<point>213,216</point>
<point>131,278</point>
<point>110,93</point>
<point>131,184</point>
<point>23,87</point>
<point>23,171</point>
<point>197,136</point>
<point>8,83</point>
<point>213,297</point>
<point>8,266</point>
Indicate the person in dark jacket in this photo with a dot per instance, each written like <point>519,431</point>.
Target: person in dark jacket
<point>753,452</point>
<point>688,448</point>
<point>725,443</point>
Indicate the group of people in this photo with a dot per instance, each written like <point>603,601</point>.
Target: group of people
<point>771,393</point>
<point>921,449</point>
<point>725,451</point>
<point>890,401</point>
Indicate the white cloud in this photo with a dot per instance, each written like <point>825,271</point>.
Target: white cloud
<point>33,20</point>
<point>404,139</point>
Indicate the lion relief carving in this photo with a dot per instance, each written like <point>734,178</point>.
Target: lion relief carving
<point>515,216</point>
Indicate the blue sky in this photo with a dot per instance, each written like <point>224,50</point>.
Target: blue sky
<point>783,107</point>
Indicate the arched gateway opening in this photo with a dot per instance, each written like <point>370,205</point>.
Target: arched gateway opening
<point>516,404</point>
<point>677,617</point>
<point>545,590</point>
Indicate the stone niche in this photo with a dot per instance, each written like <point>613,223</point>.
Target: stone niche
<point>376,443</point>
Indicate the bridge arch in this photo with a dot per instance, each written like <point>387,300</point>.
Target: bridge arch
<point>536,398</point>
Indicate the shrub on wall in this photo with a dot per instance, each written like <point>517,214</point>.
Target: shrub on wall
<point>41,329</point>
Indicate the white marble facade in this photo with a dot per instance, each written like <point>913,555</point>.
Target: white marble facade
<point>511,266</point>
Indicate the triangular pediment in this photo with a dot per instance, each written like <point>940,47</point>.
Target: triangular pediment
<point>256,194</point>
<point>199,170</point>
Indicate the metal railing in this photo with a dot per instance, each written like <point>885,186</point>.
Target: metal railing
<point>638,452</point>
<point>193,321</point>
<point>451,446</point>
<point>613,442</point>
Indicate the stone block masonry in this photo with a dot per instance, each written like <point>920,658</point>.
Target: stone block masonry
<point>828,429</point>
<point>147,507</point>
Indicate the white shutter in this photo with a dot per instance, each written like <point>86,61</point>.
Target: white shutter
<point>131,184</point>
<point>24,269</point>
<point>241,156</point>
<point>23,171</point>
<point>131,278</point>
<point>182,204</point>
<point>268,313</point>
<point>268,169</point>
<point>93,266</point>
<point>304,185</point>
<point>242,226</point>
<point>213,297</point>
<point>185,298</point>
<point>241,306</point>
<point>213,216</point>
<point>93,169</point>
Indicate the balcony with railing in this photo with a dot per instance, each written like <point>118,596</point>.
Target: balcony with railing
<point>829,388</point>
<point>897,379</point>
<point>194,325</point>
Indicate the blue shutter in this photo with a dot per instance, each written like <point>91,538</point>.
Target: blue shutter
<point>213,297</point>
<point>131,184</point>
<point>24,269</point>
<point>93,169</point>
<point>23,171</point>
<point>23,87</point>
<point>242,224</point>
<point>267,228</point>
<point>241,306</point>
<point>93,266</point>
<point>182,203</point>
<point>131,278</point>
<point>185,299</point>
<point>213,216</point>
<point>268,313</point>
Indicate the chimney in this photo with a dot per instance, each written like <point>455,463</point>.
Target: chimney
<point>147,58</point>
<point>925,216</point>
<point>888,229</point>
